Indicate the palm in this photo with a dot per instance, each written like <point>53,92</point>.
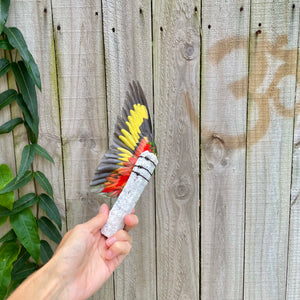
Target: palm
<point>83,253</point>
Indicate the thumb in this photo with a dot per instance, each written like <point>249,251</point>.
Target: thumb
<point>96,223</point>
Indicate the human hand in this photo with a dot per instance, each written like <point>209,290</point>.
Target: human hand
<point>83,261</point>
<point>87,258</point>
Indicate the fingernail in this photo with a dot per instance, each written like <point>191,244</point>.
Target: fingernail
<point>109,254</point>
<point>103,208</point>
<point>110,241</point>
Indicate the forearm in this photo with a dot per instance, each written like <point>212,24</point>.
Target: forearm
<point>46,283</point>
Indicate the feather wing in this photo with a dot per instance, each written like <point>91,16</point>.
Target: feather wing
<point>132,136</point>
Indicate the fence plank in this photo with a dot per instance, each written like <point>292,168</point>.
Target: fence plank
<point>246,181</point>
<point>223,127</point>
<point>269,147</point>
<point>80,63</point>
<point>37,32</point>
<point>176,53</point>
<point>127,37</point>
<point>293,276</point>
<point>19,133</point>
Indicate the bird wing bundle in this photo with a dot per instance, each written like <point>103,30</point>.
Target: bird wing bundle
<point>128,164</point>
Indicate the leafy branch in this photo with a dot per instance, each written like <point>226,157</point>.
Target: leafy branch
<point>22,251</point>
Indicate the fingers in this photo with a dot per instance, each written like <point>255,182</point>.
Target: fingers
<point>118,244</point>
<point>121,235</point>
<point>130,221</point>
<point>118,249</point>
<point>98,221</point>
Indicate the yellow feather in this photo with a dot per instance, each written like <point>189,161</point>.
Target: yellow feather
<point>133,132</point>
<point>135,120</point>
<point>139,118</point>
<point>124,155</point>
<point>128,136</point>
<point>124,151</point>
<point>126,142</point>
<point>133,124</point>
<point>123,159</point>
<point>144,112</point>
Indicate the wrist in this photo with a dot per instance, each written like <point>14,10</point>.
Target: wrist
<point>46,283</point>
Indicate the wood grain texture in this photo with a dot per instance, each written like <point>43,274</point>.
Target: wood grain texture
<point>272,76</point>
<point>88,52</point>
<point>293,274</point>
<point>223,127</point>
<point>20,135</point>
<point>37,32</point>
<point>128,56</point>
<point>80,74</point>
<point>176,53</point>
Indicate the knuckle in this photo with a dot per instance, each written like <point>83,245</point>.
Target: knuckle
<point>122,235</point>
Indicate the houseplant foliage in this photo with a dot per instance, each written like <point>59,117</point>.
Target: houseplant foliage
<point>22,251</point>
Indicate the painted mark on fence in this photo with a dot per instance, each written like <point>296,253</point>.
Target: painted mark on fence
<point>261,90</point>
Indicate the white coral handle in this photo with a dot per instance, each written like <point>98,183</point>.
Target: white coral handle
<point>140,176</point>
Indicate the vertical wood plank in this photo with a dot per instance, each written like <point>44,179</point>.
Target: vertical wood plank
<point>18,20</point>
<point>293,275</point>
<point>176,54</point>
<point>34,19</point>
<point>128,56</point>
<point>273,43</point>
<point>223,128</point>
<point>80,74</point>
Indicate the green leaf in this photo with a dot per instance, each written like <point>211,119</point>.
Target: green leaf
<point>16,39</point>
<point>48,205</point>
<point>7,98</point>
<point>7,198</point>
<point>10,125</point>
<point>32,126</point>
<point>26,160</point>
<point>46,251</point>
<point>4,7</point>
<point>24,271</point>
<point>13,285</point>
<point>8,237</point>
<point>22,259</point>
<point>43,182</point>
<point>32,136</point>
<point>6,175</point>
<point>17,184</point>
<point>21,268</point>
<point>27,88</point>
<point>8,254</point>
<point>25,227</point>
<point>27,200</point>
<point>3,219</point>
<point>42,152</point>
<point>49,229</point>
<point>4,66</point>
<point>4,44</point>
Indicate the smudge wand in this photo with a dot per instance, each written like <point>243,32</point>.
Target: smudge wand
<point>128,164</point>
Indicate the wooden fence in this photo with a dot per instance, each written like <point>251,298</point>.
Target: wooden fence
<point>232,64</point>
